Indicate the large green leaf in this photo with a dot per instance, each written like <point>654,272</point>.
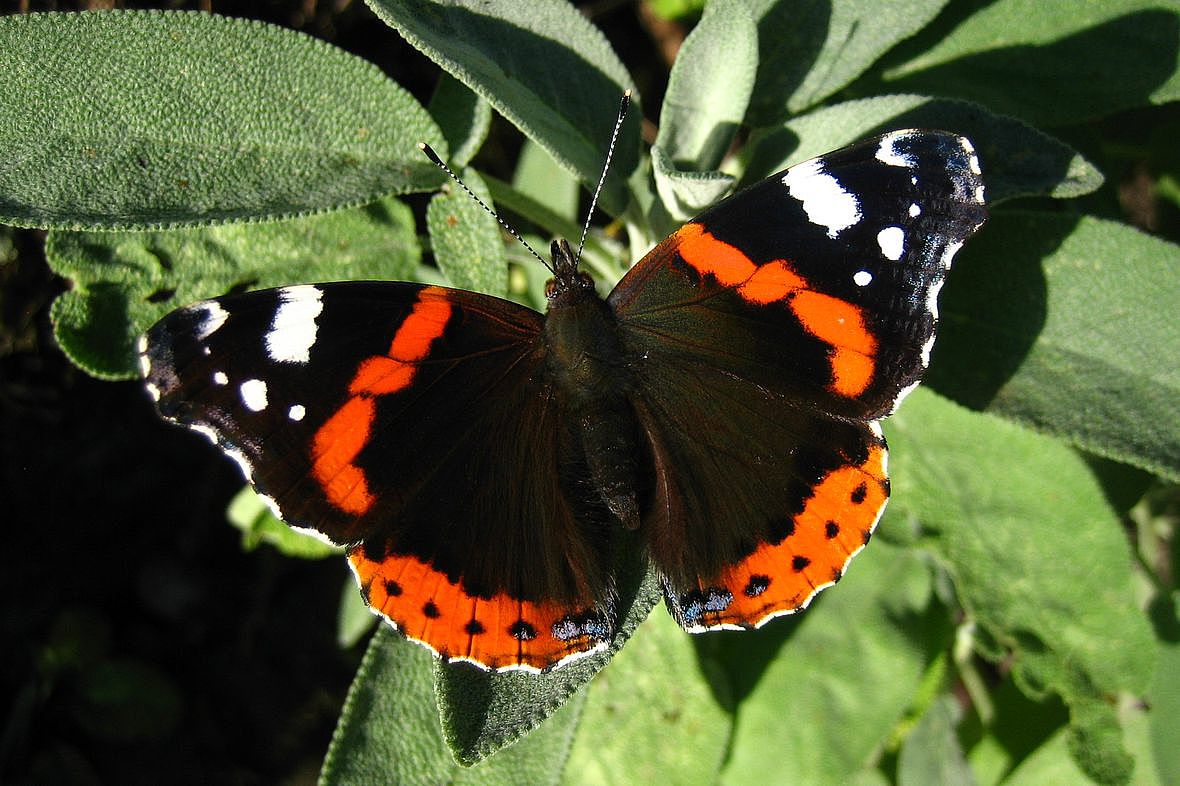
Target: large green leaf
<point>1037,557</point>
<point>817,694</point>
<point>1017,160</point>
<point>809,49</point>
<point>1066,323</point>
<point>133,120</point>
<point>542,65</point>
<point>124,281</point>
<point>656,691</point>
<point>1054,63</point>
<point>389,730</point>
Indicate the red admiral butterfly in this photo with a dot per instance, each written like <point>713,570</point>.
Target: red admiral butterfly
<point>481,460</point>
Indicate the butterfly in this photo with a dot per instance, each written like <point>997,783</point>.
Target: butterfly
<point>481,461</point>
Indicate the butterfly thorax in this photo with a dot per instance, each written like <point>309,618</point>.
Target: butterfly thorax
<point>585,366</point>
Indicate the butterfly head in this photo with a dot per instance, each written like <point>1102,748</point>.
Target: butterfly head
<point>568,283</point>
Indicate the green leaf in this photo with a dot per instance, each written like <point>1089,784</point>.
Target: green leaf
<point>601,255</point>
<point>354,618</point>
<point>127,702</point>
<point>812,48</point>
<point>389,732</point>
<point>709,87</point>
<point>816,694</point>
<point>463,117</point>
<point>676,9</point>
<point>1001,506</point>
<point>538,177</point>
<point>931,753</point>
<point>1051,763</point>
<point>1017,160</point>
<point>1054,63</point>
<point>654,692</point>
<point>124,281</point>
<point>540,64</point>
<point>684,194</point>
<point>259,525</point>
<point>482,712</point>
<point>466,240</point>
<point>1061,322</point>
<point>134,120</point>
<point>1014,728</point>
<point>1164,695</point>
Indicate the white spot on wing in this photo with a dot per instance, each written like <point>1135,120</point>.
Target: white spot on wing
<point>932,307</point>
<point>208,432</point>
<point>219,378</point>
<point>145,363</point>
<point>253,394</point>
<point>908,389</point>
<point>932,297</point>
<point>824,200</point>
<point>315,533</point>
<point>240,459</point>
<point>213,317</point>
<point>915,210</point>
<point>296,412</point>
<point>892,242</point>
<point>153,391</point>
<point>293,330</point>
<point>271,504</point>
<point>862,278</point>
<point>887,152</point>
<point>948,254</point>
<point>972,159</point>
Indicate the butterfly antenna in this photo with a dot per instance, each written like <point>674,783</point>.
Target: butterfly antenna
<point>610,152</point>
<point>438,162</point>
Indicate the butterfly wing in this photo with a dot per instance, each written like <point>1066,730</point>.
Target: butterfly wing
<point>411,424</point>
<point>768,336</point>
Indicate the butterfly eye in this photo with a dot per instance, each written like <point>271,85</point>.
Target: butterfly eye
<point>550,287</point>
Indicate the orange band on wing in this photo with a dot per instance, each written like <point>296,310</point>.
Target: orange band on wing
<point>832,320</point>
<point>781,578</point>
<point>333,449</point>
<point>340,440</point>
<point>842,325</point>
<point>711,256</point>
<point>499,633</point>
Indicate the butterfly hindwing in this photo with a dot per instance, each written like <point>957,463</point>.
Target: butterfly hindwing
<point>769,334</point>
<point>412,424</point>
